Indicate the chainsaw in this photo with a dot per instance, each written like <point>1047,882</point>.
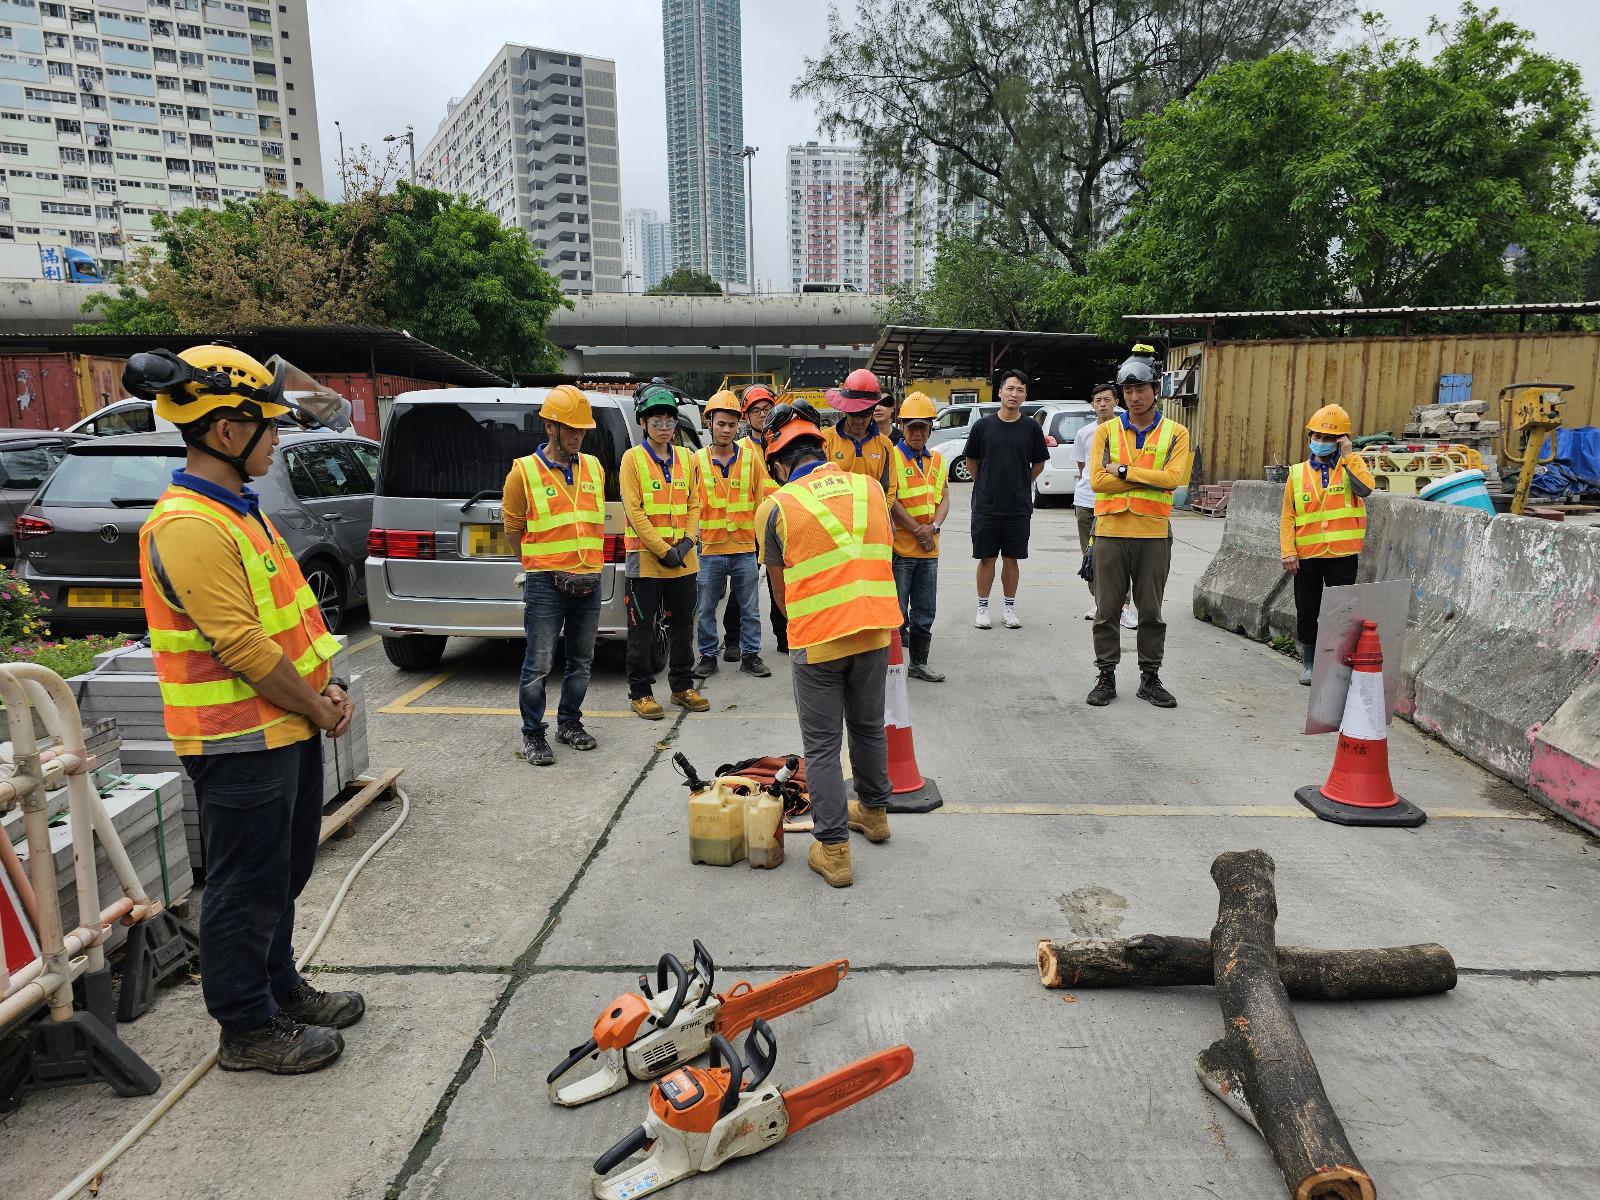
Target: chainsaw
<point>645,1034</point>
<point>700,1117</point>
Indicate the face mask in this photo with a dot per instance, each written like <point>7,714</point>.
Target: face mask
<point>1323,449</point>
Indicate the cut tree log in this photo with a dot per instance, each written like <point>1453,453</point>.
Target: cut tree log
<point>1155,960</point>
<point>1261,1062</point>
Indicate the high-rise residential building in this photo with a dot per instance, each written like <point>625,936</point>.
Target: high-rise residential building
<point>705,137</point>
<point>535,139</point>
<point>112,111</point>
<point>646,247</point>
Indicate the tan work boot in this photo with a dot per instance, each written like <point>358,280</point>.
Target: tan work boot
<point>831,860</point>
<point>874,822</point>
<point>691,700</point>
<point>646,707</point>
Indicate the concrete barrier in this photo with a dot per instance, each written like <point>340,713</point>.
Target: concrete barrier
<point>1246,574</point>
<point>1527,636</point>
<point>1564,771</point>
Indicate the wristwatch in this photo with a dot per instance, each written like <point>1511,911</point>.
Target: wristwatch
<point>1122,471</point>
<point>338,683</point>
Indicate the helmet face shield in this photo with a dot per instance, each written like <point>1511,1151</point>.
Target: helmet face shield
<point>310,402</point>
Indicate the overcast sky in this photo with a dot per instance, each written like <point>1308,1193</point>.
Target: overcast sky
<point>381,64</point>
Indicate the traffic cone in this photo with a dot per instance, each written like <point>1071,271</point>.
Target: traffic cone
<point>1358,790</point>
<point>913,792</point>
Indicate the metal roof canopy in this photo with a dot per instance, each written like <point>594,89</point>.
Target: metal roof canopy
<point>1057,362</point>
<point>1404,313</point>
<point>326,348</point>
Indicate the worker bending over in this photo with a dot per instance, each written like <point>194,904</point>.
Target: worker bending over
<point>920,507</point>
<point>855,445</point>
<point>554,507</point>
<point>733,480</point>
<point>1324,522</point>
<point>242,656</point>
<point>661,498</point>
<point>825,538</point>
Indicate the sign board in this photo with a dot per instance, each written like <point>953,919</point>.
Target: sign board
<point>50,264</point>
<point>1343,609</point>
<point>18,947</point>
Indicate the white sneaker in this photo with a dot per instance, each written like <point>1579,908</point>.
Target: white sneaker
<point>982,621</point>
<point>1089,616</point>
<point>1008,614</point>
<point>1130,617</point>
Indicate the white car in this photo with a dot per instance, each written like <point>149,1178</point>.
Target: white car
<point>1061,423</point>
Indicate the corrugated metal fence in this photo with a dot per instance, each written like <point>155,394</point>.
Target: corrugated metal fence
<point>1255,397</point>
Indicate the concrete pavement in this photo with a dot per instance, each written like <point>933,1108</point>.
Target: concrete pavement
<point>516,902</point>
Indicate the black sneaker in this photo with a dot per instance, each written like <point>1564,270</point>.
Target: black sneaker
<point>751,664</point>
<point>572,733</point>
<point>729,654</point>
<point>923,672</point>
<point>1150,689</point>
<point>708,665</point>
<point>1105,689</point>
<point>335,1010</point>
<point>537,751</point>
<point>280,1047</point>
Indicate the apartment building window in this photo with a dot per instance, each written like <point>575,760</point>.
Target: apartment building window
<point>189,31</point>
<point>14,150</point>
<point>100,158</point>
<point>191,58</point>
<point>161,28</point>
<point>106,186</point>
<point>58,209</point>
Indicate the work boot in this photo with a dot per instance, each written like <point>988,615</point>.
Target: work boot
<point>691,700</point>
<point>646,707</point>
<point>572,733</point>
<point>537,751</point>
<point>730,653</point>
<point>831,860</point>
<point>280,1047</point>
<point>334,1010</point>
<point>708,665</point>
<point>1105,689</point>
<point>1308,658</point>
<point>1150,689</point>
<point>874,822</point>
<point>751,664</point>
<point>925,673</point>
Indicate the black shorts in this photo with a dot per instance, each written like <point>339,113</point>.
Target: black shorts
<point>1006,537</point>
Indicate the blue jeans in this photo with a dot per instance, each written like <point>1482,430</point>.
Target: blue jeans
<point>717,572</point>
<point>917,582</point>
<point>545,613</point>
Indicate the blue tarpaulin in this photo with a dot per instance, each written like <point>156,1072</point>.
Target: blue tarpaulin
<point>1576,469</point>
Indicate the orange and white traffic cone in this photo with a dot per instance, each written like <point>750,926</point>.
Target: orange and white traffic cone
<point>1358,790</point>
<point>913,793</point>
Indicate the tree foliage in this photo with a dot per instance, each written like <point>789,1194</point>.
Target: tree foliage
<point>976,285</point>
<point>685,281</point>
<point>1030,105</point>
<point>1373,177</point>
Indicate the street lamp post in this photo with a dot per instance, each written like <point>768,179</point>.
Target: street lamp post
<point>627,281</point>
<point>409,137</point>
<point>342,184</point>
<point>749,156</point>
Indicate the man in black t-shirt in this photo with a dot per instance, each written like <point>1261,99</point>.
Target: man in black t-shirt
<point>1006,454</point>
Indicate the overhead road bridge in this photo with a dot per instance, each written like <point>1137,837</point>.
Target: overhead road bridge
<point>1062,366</point>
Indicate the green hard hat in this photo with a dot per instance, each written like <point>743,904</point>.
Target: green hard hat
<point>658,397</point>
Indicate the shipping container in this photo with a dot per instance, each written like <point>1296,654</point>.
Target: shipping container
<point>39,391</point>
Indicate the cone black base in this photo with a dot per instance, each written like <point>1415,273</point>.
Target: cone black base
<point>925,799</point>
<point>1402,813</point>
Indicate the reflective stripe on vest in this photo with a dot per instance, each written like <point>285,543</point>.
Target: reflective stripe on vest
<point>203,700</point>
<point>666,505</point>
<point>1152,456</point>
<point>837,581</point>
<point>920,490</point>
<point>1329,522</point>
<point>566,526</point>
<point>728,505</point>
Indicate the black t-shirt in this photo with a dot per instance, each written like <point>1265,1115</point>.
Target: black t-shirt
<point>1005,452</point>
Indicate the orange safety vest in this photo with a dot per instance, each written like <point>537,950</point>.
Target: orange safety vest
<point>728,506</point>
<point>666,505</point>
<point>920,491</point>
<point>205,702</point>
<point>1152,456</point>
<point>838,571</point>
<point>566,527</point>
<point>1329,522</point>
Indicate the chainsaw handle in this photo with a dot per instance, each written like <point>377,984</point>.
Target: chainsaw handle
<point>723,1053</point>
<point>706,970</point>
<point>760,1057</point>
<point>669,962</point>
<point>572,1060</point>
<point>622,1151</point>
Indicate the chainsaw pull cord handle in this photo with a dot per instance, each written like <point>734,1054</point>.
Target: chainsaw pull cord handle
<point>760,1057</point>
<point>723,1053</point>
<point>669,962</point>
<point>623,1150</point>
<point>706,970</point>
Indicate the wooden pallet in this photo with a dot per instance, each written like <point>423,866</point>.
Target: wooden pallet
<point>353,800</point>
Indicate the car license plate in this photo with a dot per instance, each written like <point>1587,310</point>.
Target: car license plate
<point>103,598</point>
<point>486,541</point>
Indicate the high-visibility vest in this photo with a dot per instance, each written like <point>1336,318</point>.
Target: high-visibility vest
<point>566,527</point>
<point>920,491</point>
<point>727,506</point>
<point>1329,522</point>
<point>838,571</point>
<point>204,701</point>
<point>666,505</point>
<point>1120,448</point>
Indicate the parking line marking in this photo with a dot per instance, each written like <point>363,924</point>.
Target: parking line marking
<point>403,707</point>
<point>362,645</point>
<point>1197,810</point>
<point>416,693</point>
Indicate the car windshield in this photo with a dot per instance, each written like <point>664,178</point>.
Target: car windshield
<point>1068,424</point>
<point>110,480</point>
<point>26,467</point>
<point>459,450</point>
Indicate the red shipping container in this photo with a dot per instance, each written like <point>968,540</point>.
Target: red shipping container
<point>38,391</point>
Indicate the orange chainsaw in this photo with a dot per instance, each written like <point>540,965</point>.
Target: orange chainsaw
<point>700,1117</point>
<point>645,1034</point>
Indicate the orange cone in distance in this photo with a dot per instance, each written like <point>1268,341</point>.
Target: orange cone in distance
<point>913,792</point>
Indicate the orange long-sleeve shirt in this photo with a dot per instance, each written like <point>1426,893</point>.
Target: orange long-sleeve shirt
<point>1180,459</point>
<point>1361,483</point>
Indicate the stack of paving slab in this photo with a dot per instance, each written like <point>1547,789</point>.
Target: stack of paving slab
<point>1463,422</point>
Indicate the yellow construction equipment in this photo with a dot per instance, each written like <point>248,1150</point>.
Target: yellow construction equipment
<point>1530,413</point>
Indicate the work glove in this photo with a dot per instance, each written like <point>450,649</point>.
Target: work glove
<point>675,556</point>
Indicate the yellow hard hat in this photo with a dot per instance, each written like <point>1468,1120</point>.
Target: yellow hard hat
<point>568,406</point>
<point>1330,419</point>
<point>723,401</point>
<point>196,382</point>
<point>917,407</point>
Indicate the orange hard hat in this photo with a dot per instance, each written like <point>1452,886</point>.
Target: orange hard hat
<point>568,406</point>
<point>1330,419</point>
<point>917,407</point>
<point>757,393</point>
<point>859,393</point>
<point>723,401</point>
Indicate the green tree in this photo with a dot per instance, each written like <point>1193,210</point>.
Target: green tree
<point>685,281</point>
<point>976,285</point>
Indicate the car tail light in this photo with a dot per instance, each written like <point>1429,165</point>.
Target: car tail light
<point>31,527</point>
<point>400,543</point>
<point>613,551</point>
<point>1050,440</point>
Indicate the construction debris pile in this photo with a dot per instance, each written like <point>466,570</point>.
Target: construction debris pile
<point>1463,423</point>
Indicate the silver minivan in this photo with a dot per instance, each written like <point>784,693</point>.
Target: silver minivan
<point>439,564</point>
